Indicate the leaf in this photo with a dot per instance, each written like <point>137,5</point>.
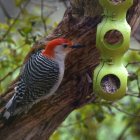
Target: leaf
<point>100,116</point>
<point>19,2</point>
<point>131,56</point>
<point>4,26</point>
<point>11,41</point>
<point>25,31</point>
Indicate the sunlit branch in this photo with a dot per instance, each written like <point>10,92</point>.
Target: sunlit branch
<point>121,110</point>
<point>128,94</point>
<point>42,16</point>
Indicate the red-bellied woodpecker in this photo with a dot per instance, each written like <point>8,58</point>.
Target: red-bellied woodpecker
<point>40,76</point>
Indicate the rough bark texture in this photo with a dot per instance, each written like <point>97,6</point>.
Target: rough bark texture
<point>79,24</point>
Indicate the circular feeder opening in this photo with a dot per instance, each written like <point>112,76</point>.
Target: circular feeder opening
<point>115,2</point>
<point>113,37</point>
<point>110,83</point>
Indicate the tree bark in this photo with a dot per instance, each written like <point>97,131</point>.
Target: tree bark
<point>78,24</point>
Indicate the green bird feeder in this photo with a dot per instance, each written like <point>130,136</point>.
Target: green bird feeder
<point>112,40</point>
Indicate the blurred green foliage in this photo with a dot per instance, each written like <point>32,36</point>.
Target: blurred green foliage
<point>17,36</point>
<point>98,121</point>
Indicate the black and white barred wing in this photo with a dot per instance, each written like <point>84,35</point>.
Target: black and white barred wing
<point>38,76</point>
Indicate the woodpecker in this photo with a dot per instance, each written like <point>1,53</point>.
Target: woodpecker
<point>40,76</point>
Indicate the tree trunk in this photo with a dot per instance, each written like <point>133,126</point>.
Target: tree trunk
<point>79,24</point>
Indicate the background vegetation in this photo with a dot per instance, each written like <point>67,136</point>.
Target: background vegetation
<point>98,121</point>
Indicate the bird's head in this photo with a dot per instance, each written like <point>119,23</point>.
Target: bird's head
<point>59,46</point>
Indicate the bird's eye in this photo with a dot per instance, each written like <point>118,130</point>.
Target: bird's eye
<point>65,45</point>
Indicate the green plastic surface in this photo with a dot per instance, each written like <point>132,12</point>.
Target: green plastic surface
<point>112,54</point>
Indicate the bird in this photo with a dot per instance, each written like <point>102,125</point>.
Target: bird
<point>40,76</point>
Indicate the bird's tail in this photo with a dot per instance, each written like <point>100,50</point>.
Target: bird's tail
<point>9,109</point>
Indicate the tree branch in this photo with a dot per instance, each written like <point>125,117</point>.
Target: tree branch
<point>4,10</point>
<point>14,22</point>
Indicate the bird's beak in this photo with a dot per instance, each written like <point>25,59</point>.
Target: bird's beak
<point>69,48</point>
<point>77,46</point>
